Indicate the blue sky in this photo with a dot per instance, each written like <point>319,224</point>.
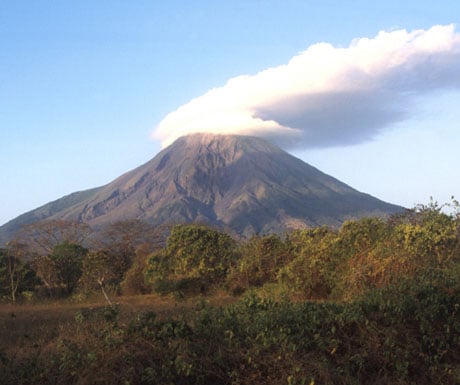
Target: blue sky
<point>83,84</point>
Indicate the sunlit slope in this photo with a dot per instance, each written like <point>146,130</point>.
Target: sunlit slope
<point>242,183</point>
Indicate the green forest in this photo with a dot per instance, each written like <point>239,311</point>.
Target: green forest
<point>375,301</point>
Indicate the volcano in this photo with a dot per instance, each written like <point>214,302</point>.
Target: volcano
<point>239,183</point>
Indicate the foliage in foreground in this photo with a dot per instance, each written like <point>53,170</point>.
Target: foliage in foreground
<point>406,334</point>
<point>376,302</point>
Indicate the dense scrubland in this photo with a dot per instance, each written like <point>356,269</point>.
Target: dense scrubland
<point>373,302</point>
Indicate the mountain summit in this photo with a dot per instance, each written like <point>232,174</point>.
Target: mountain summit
<point>238,182</point>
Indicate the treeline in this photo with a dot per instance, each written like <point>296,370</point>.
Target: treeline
<point>61,259</point>
<point>313,264</point>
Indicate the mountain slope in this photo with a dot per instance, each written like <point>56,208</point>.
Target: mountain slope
<point>243,183</point>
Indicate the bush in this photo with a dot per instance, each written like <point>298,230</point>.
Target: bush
<point>404,334</point>
<point>260,260</point>
<point>195,256</point>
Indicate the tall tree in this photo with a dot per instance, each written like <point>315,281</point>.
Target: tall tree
<point>67,259</point>
<point>312,271</point>
<point>261,258</point>
<point>42,237</point>
<point>196,253</point>
<point>45,269</point>
<point>16,276</point>
<point>134,279</point>
<point>123,238</point>
<point>100,269</point>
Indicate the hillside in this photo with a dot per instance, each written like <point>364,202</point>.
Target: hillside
<point>244,184</point>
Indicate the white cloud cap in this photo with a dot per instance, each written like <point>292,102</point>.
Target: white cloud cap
<point>327,96</point>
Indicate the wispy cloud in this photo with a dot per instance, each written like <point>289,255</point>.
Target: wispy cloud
<point>327,96</point>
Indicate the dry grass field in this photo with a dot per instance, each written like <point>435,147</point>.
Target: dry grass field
<point>26,327</point>
<point>219,339</point>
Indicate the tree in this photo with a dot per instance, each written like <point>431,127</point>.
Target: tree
<point>195,253</point>
<point>261,258</point>
<point>45,269</point>
<point>312,273</point>
<point>419,244</point>
<point>358,237</point>
<point>43,236</point>
<point>67,259</point>
<point>16,276</point>
<point>100,268</point>
<point>124,237</point>
<point>434,235</point>
<point>134,279</point>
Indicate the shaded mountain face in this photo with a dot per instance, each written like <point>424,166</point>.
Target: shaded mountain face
<point>240,183</point>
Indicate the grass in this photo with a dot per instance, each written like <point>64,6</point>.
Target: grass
<point>24,327</point>
<point>381,339</point>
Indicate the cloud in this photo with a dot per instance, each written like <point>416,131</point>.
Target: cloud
<point>327,96</point>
